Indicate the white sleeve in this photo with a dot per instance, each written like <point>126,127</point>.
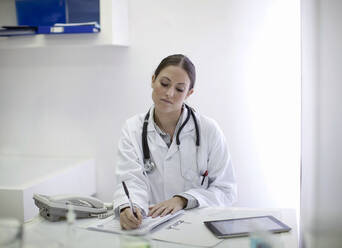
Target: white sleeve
<point>192,201</point>
<point>221,190</point>
<point>130,169</point>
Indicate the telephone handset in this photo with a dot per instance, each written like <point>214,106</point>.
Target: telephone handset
<point>84,201</point>
<point>54,208</point>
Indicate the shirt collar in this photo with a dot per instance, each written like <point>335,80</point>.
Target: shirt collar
<point>160,131</point>
<point>152,126</point>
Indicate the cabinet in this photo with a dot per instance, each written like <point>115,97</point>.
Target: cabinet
<point>23,176</point>
<point>114,30</point>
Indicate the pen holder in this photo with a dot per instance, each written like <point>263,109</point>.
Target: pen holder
<point>129,241</point>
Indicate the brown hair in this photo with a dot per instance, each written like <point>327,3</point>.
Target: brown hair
<point>182,61</point>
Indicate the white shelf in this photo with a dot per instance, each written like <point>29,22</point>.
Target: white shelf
<point>23,176</point>
<point>114,31</point>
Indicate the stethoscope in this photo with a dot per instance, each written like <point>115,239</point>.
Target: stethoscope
<point>149,165</point>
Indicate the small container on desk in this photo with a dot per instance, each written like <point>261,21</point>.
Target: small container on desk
<point>130,241</point>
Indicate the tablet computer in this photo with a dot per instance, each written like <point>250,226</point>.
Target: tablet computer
<point>244,226</point>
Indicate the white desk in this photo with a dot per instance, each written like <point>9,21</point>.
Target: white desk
<point>41,233</point>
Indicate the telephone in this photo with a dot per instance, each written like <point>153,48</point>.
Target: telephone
<point>55,208</point>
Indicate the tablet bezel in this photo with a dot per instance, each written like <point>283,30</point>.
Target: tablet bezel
<point>218,234</point>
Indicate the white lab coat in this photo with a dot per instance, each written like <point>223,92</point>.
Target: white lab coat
<point>178,169</point>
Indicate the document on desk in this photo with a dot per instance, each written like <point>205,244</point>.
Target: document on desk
<point>189,229</point>
<point>112,224</point>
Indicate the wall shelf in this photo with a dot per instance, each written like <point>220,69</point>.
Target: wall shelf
<point>114,31</point>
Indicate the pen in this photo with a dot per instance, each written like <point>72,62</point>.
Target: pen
<point>204,175</point>
<point>129,199</point>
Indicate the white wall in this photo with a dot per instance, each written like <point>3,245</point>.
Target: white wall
<point>322,121</point>
<point>8,15</point>
<point>67,101</point>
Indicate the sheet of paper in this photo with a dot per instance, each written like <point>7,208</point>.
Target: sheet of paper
<point>112,224</point>
<point>189,230</point>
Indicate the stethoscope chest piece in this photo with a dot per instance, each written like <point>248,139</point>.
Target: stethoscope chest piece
<point>149,166</point>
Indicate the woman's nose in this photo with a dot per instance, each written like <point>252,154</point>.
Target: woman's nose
<point>170,91</point>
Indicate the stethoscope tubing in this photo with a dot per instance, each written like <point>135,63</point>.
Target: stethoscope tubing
<point>149,165</point>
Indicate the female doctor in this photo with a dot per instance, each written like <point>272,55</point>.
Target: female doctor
<point>172,157</point>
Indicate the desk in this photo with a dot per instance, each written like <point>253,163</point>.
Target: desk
<point>41,233</point>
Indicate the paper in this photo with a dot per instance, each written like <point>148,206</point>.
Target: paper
<point>189,230</point>
<point>112,224</point>
<point>76,24</point>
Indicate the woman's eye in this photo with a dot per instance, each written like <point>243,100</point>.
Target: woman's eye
<point>180,90</point>
<point>164,84</point>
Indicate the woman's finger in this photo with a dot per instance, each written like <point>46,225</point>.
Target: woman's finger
<point>122,224</point>
<point>129,225</point>
<point>132,219</point>
<point>125,223</point>
<point>166,211</point>
<point>158,211</point>
<point>128,220</point>
<point>139,215</point>
<point>153,209</point>
<point>174,210</point>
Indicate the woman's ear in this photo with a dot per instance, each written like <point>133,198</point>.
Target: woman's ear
<point>189,93</point>
<point>153,79</point>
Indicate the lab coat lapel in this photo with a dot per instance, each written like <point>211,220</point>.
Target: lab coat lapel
<point>152,132</point>
<point>172,150</point>
<point>156,139</point>
<point>189,126</point>
<point>187,129</point>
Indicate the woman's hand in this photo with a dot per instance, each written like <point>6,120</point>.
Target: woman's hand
<point>170,206</point>
<point>128,221</point>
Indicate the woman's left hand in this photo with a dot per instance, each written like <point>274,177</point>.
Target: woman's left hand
<point>166,207</point>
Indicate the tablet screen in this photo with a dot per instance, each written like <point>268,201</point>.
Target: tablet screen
<point>244,226</point>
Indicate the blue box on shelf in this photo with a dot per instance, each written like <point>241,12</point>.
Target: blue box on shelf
<point>40,12</point>
<point>54,17</point>
<point>83,11</point>
<point>50,12</point>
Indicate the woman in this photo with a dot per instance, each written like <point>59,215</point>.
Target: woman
<point>186,163</point>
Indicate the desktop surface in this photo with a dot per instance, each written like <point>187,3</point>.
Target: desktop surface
<point>41,233</point>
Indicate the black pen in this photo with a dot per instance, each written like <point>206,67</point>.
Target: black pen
<point>129,199</point>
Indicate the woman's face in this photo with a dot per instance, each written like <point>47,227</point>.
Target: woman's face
<point>170,89</point>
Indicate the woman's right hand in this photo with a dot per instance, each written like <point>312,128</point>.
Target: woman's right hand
<point>128,221</point>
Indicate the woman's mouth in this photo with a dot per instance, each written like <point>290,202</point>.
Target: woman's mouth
<point>167,101</point>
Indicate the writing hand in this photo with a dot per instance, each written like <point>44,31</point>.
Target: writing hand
<point>128,221</point>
